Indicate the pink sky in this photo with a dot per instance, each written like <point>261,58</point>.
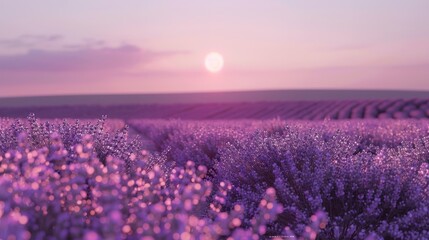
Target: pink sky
<point>85,47</point>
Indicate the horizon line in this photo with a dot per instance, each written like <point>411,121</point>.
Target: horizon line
<point>216,92</point>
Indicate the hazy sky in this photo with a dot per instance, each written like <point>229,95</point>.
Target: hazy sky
<point>102,46</point>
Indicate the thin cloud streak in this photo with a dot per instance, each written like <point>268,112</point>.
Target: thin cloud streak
<point>81,59</point>
<point>29,41</point>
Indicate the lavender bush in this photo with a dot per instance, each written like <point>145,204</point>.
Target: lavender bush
<point>248,180</point>
<point>369,177</point>
<point>77,181</point>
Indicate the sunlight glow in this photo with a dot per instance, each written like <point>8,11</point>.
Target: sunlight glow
<point>213,62</point>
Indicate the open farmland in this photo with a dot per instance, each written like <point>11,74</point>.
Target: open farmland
<point>354,179</point>
<point>287,110</point>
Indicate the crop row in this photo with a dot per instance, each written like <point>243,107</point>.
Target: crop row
<point>304,110</point>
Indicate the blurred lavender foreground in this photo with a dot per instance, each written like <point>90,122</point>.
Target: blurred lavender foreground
<point>216,179</point>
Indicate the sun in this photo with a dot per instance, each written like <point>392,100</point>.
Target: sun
<point>213,62</point>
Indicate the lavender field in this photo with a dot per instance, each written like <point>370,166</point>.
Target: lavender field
<point>214,120</point>
<point>237,179</point>
<point>393,108</point>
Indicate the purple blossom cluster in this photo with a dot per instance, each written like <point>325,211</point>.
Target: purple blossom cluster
<point>370,178</point>
<point>78,181</point>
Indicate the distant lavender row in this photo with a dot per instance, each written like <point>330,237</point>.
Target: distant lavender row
<point>305,110</point>
<point>370,177</point>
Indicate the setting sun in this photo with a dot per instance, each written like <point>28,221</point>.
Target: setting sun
<point>213,62</point>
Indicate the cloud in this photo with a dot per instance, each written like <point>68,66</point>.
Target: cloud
<point>87,43</point>
<point>81,59</point>
<point>28,41</point>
